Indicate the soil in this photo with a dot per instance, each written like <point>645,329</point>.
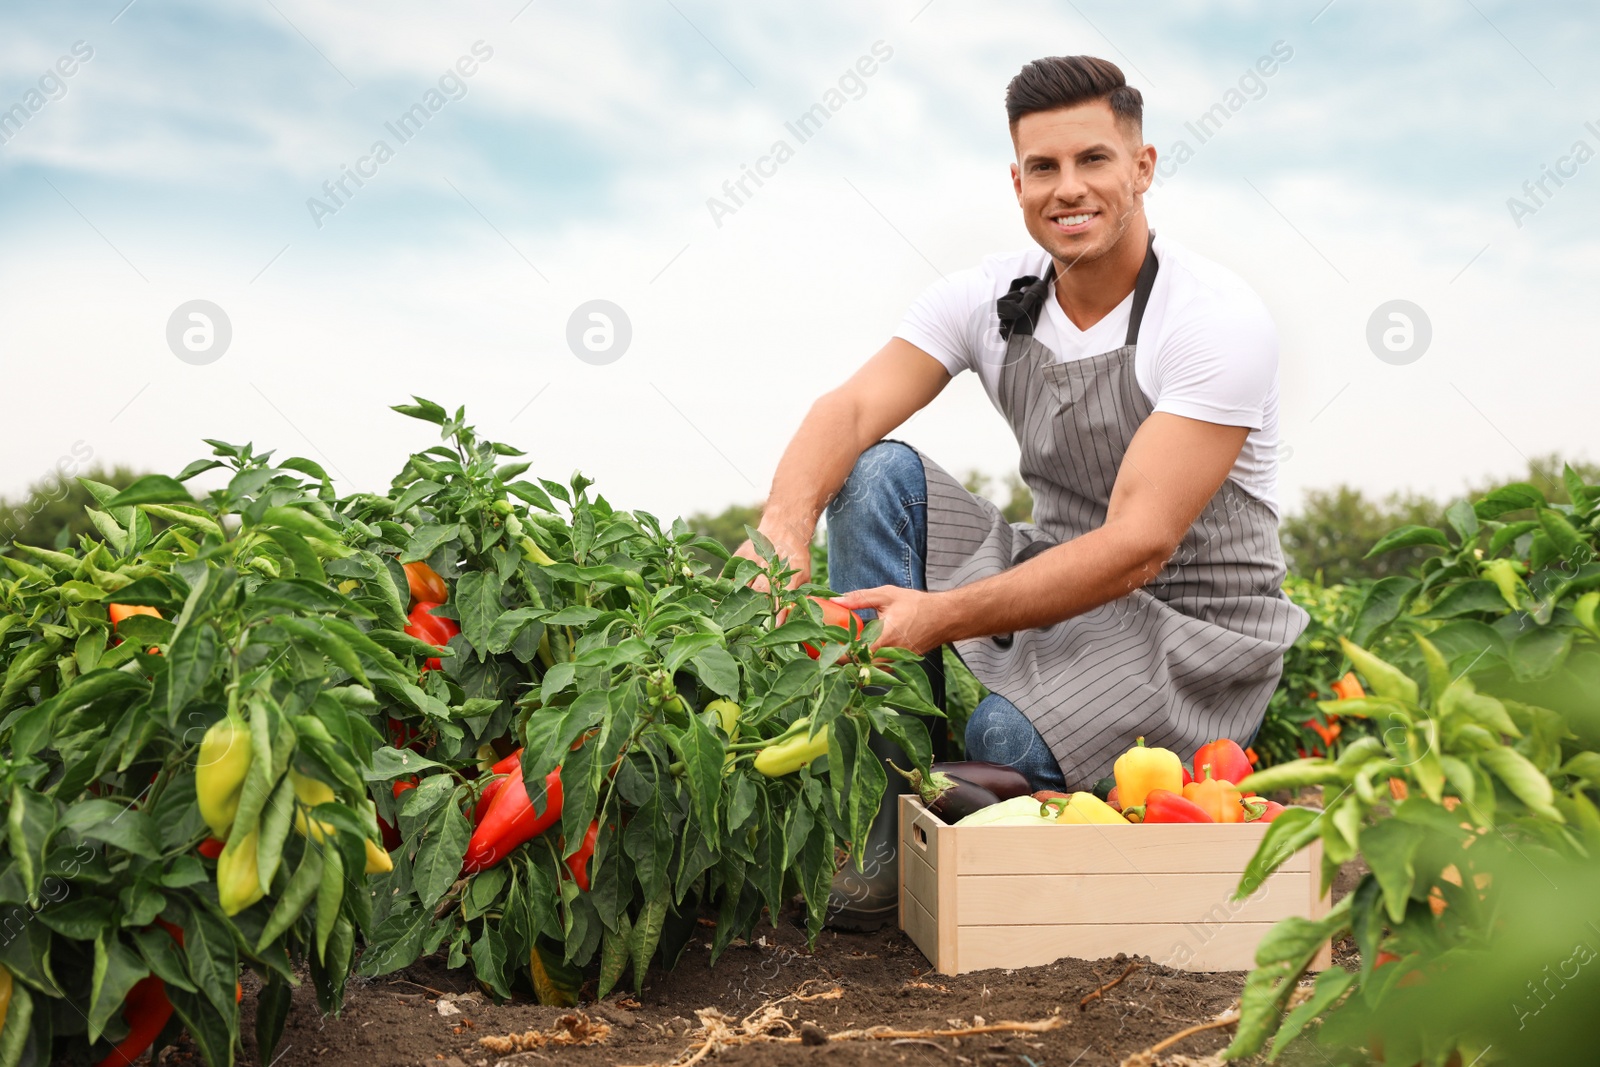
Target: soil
<point>430,1015</point>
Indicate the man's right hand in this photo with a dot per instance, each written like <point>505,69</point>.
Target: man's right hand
<point>795,551</point>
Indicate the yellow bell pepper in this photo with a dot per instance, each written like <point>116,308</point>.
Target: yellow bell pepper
<point>311,792</point>
<point>1140,769</point>
<point>238,878</point>
<point>220,770</point>
<point>1083,808</point>
<point>378,861</point>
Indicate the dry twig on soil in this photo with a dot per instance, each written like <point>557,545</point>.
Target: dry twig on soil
<point>1084,1003</point>
<point>1151,1057</point>
<point>575,1029</point>
<point>768,1023</point>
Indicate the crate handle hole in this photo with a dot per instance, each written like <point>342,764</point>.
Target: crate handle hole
<point>919,834</point>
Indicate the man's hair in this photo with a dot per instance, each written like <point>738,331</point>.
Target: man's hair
<point>1066,81</point>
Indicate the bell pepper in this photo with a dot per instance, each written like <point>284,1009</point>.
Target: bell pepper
<point>5,996</point>
<point>425,583</point>
<point>1217,797</point>
<point>1348,687</point>
<point>146,1010</point>
<point>378,861</point>
<point>512,764</point>
<point>833,615</point>
<point>1270,811</point>
<point>220,769</point>
<point>1165,806</point>
<point>1141,769</point>
<point>578,862</point>
<point>1084,808</point>
<point>426,626</point>
<point>311,792</point>
<point>118,612</point>
<point>211,848</point>
<point>1226,759</point>
<point>792,751</point>
<point>512,820</point>
<point>238,878</point>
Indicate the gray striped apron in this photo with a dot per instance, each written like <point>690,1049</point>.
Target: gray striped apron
<point>1192,656</point>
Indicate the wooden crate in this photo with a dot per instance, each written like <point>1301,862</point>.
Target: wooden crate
<point>1023,896</point>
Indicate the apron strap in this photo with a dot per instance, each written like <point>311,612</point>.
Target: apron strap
<point>1141,290</point>
<point>1020,308</point>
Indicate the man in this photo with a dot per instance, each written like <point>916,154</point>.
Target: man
<point>1140,380</point>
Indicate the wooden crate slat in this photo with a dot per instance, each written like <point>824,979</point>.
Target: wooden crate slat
<point>1226,947</point>
<point>1111,849</point>
<point>979,897</point>
<point>1089,899</point>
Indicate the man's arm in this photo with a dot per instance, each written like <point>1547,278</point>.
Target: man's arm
<point>1173,467</point>
<point>888,389</point>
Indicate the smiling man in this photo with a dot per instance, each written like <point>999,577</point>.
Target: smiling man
<point>1141,382</point>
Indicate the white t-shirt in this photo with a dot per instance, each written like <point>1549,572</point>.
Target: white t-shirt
<point>1207,349</point>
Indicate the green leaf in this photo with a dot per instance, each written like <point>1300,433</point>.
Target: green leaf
<point>489,960</point>
<point>1408,537</point>
<point>1566,539</point>
<point>1524,780</point>
<point>1292,830</point>
<point>191,658</point>
<point>1463,520</point>
<point>614,956</point>
<point>300,891</point>
<point>330,893</point>
<point>1540,652</point>
<point>389,763</point>
<point>116,824</point>
<point>1390,849</point>
<point>426,410</point>
<point>152,489</point>
<point>1518,496</point>
<point>272,1012</point>
<point>331,645</point>
<point>29,826</point>
<point>444,847</point>
<point>117,968</point>
<point>717,668</point>
<point>309,597</point>
<point>19,1024</point>
<point>299,552</point>
<point>646,933</point>
<point>1467,598</point>
<point>428,537</point>
<point>213,1030</point>
<point>686,645</point>
<point>477,601</point>
<point>702,753</point>
<point>1331,985</point>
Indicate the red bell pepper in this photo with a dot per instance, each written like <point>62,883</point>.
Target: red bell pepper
<point>1165,806</point>
<point>147,1010</point>
<point>1228,761</point>
<point>1270,812</point>
<point>578,862</point>
<point>511,820</point>
<point>833,615</point>
<point>426,626</point>
<point>211,848</point>
<point>512,764</point>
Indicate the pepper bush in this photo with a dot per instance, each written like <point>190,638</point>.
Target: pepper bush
<point>591,638</point>
<point>1484,758</point>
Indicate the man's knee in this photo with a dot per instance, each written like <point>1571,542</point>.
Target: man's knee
<point>887,472</point>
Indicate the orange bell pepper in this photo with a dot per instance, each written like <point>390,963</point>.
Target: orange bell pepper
<point>425,583</point>
<point>1348,687</point>
<point>1217,797</point>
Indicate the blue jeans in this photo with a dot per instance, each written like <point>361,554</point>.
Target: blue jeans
<point>878,535</point>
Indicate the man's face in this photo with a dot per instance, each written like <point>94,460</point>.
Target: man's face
<point>1079,176</point>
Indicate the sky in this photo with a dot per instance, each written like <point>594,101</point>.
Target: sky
<point>539,156</point>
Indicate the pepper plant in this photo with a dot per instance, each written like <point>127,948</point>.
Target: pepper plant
<point>638,682</point>
<point>119,744</point>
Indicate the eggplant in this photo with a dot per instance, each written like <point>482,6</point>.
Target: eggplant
<point>949,797</point>
<point>1004,782</point>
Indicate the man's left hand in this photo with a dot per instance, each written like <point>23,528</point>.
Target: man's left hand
<point>911,618</point>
